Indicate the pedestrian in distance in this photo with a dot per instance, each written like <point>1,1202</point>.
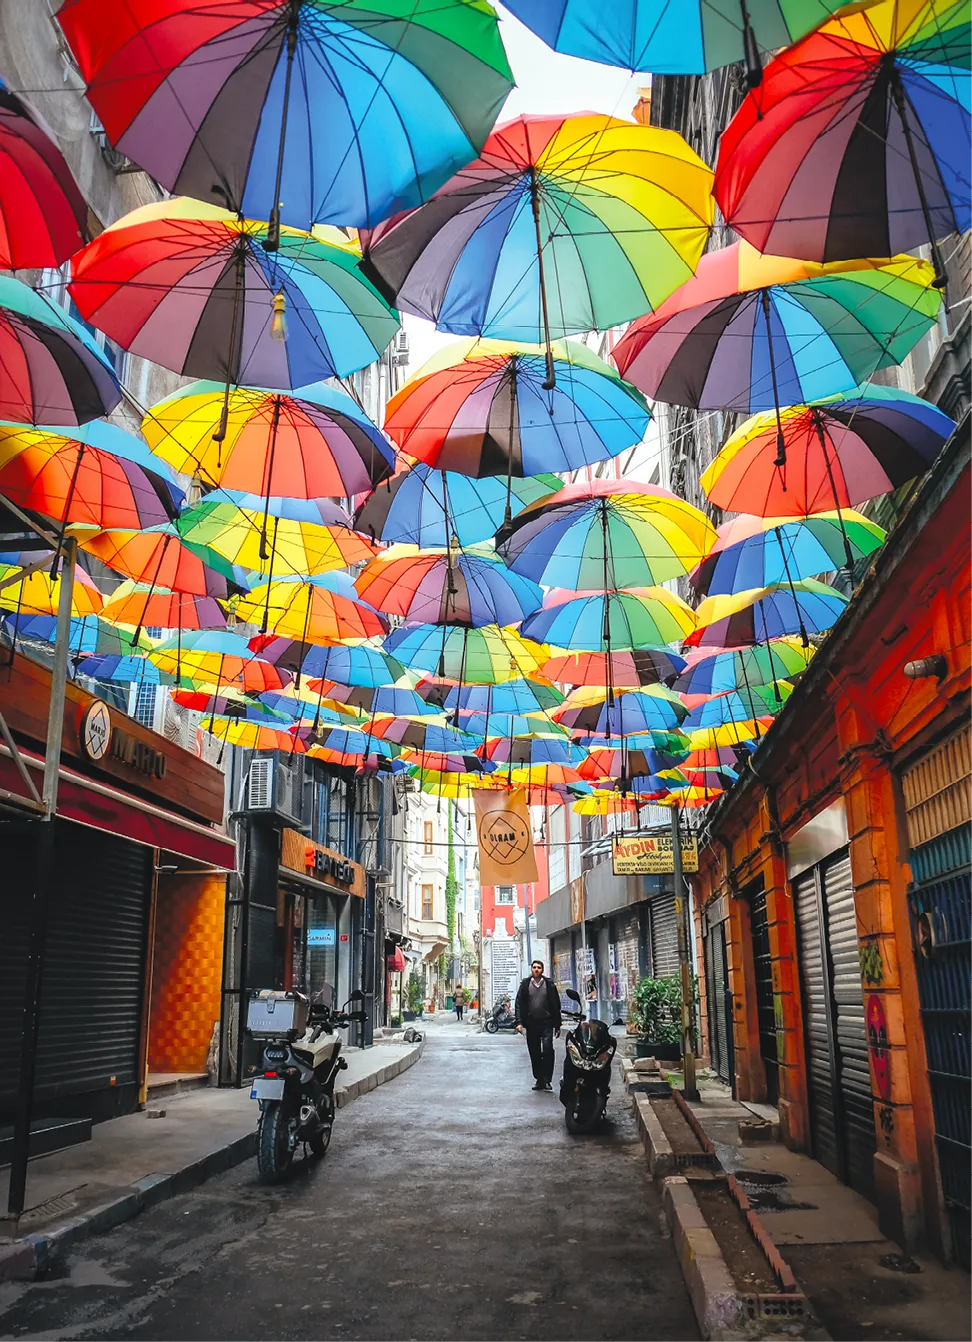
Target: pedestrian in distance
<point>459,1000</point>
<point>538,1016</point>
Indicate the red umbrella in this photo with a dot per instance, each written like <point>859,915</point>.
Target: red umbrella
<point>43,216</point>
<point>158,556</point>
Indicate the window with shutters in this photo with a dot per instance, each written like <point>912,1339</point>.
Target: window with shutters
<point>427,902</point>
<point>429,847</point>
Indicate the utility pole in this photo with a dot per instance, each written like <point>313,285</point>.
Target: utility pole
<point>526,911</point>
<point>689,1087</point>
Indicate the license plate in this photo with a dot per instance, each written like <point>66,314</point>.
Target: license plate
<point>267,1088</point>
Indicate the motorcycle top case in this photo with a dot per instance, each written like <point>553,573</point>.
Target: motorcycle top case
<point>273,1015</point>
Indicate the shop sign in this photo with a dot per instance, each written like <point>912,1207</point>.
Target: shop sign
<point>320,936</point>
<point>298,853</point>
<point>327,864</point>
<point>652,854</point>
<point>101,740</point>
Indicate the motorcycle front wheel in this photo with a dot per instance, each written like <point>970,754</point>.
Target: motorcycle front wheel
<point>491,1027</point>
<point>275,1145</point>
<point>583,1113</point>
<point>322,1139</point>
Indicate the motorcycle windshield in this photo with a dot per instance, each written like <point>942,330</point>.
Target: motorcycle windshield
<point>594,1036</point>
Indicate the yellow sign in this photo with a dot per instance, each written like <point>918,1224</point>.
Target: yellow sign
<point>506,855</point>
<point>651,854</point>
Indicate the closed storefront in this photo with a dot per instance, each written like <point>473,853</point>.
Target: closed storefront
<point>563,964</point>
<point>718,996</point>
<point>664,936</point>
<point>627,962</point>
<point>763,983</point>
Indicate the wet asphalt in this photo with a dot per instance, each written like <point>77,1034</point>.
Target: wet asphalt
<point>452,1204</point>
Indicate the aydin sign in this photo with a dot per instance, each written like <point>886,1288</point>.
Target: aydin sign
<point>652,854</point>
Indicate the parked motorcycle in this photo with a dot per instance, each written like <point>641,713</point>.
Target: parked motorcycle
<point>586,1082</point>
<point>294,1083</point>
<point>502,1017</point>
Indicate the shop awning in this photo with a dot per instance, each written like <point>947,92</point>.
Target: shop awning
<point>101,807</point>
<point>396,961</point>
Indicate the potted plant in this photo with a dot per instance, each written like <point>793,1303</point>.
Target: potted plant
<point>414,996</point>
<point>656,1013</point>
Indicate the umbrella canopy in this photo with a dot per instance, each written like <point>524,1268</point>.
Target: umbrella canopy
<point>513,696</point>
<point>608,803</point>
<point>486,656</point>
<point>766,613</point>
<point>752,332</point>
<point>393,700</point>
<point>140,604</point>
<point>629,670</point>
<point>343,114</point>
<point>43,215</point>
<point>219,658</point>
<point>97,477</point>
<point>759,551</point>
<point>124,670</point>
<point>194,288</point>
<point>316,444</point>
<point>606,534</point>
<point>87,636</point>
<point>458,588</point>
<point>631,756</point>
<point>431,737</point>
<point>53,371</point>
<point>857,143</point>
<point>729,733</point>
<point>738,706</point>
<point>368,667</point>
<point>238,532</point>
<point>600,621</point>
<point>518,725</point>
<point>252,735</point>
<point>39,594</point>
<point>718,671</point>
<point>691,798</point>
<point>627,713</point>
<point>837,452</point>
<point>353,746</point>
<point>158,555</point>
<point>322,609</point>
<point>229,705</point>
<point>432,508</point>
<point>482,408</point>
<point>562,225</point>
<point>684,38</point>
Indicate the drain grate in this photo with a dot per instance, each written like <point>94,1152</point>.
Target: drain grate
<point>59,1205</point>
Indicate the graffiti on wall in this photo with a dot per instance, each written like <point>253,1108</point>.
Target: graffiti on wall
<point>778,1023</point>
<point>871,962</point>
<point>886,1119</point>
<point>877,1043</point>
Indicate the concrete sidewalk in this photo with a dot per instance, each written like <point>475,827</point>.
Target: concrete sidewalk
<point>134,1162</point>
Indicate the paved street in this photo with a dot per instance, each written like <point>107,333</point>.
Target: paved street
<point>452,1204</point>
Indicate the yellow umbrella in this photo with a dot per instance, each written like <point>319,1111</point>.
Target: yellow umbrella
<point>38,594</point>
<point>299,537</point>
<point>322,609</point>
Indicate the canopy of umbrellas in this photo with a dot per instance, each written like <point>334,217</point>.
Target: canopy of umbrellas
<point>333,164</point>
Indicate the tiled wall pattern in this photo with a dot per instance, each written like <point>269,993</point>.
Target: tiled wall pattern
<point>186,975</point>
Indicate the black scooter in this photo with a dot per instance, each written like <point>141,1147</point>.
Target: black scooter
<point>586,1083</point>
<point>502,1017</point>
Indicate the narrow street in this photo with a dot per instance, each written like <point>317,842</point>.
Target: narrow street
<point>452,1203</point>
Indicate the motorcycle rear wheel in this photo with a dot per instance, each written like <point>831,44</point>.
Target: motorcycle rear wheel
<point>275,1147</point>
<point>321,1140</point>
<point>491,1027</point>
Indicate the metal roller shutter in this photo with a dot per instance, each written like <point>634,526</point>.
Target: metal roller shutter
<point>664,937</point>
<point>817,1022</point>
<point>765,1011</point>
<point>17,846</point>
<point>628,960</point>
<point>715,968</point>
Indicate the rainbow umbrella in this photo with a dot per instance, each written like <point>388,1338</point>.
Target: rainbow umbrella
<point>219,658</point>
<point>429,761</point>
<point>857,143</point>
<point>672,38</point>
<point>636,617</point>
<point>53,371</point>
<point>533,751</point>
<point>252,735</point>
<point>321,609</point>
<point>43,215</point>
<point>829,455</point>
<point>236,532</point>
<point>632,756</point>
<point>751,332</point>
<point>382,700</point>
<point>729,733</point>
<point>124,669</point>
<point>336,113</point>
<point>562,225</point>
<point>745,705</point>
<point>141,604</point>
<point>88,635</point>
<point>229,707</point>
<point>628,670</point>
<point>471,588</point>
<point>718,671</point>
<point>485,656</point>
<point>510,725</point>
<point>607,534</point>
<point>159,556</point>
<point>431,737</point>
<point>626,713</point>
<point>481,408</point>
<point>608,803</point>
<point>691,798</point>
<point>38,593</point>
<point>430,508</point>
<point>364,666</point>
<point>352,746</point>
<point>529,696</point>
<point>759,551</point>
<point>766,613</point>
<point>447,783</point>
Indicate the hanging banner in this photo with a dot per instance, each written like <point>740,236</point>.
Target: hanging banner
<point>651,854</point>
<point>506,855</point>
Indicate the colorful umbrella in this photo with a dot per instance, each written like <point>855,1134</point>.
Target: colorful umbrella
<point>124,670</point>
<point>691,798</point>
<point>630,670</point>
<point>729,733</point>
<point>251,735</point>
<point>228,706</point>
<point>99,476</point>
<point>43,215</point>
<point>759,551</point>
<point>428,736</point>
<point>857,143</point>
<point>140,604</point>
<point>631,756</point>
<point>322,609</point>
<point>194,288</point>
<point>518,726</point>
<point>592,710</point>
<point>837,452</point>
<point>158,555</point>
<point>39,594</point>
<point>341,113</point>
<point>471,588</point>
<point>236,531</point>
<point>672,38</point>
<point>88,635</point>
<point>766,613</point>
<point>608,803</point>
<point>398,701</point>
<point>606,534</point>
<point>744,705</point>
<point>638,617</point>
<point>363,666</point>
<point>719,671</point>
<point>564,224</point>
<point>481,408</point>
<point>420,506</point>
<point>219,658</point>
<point>475,656</point>
<point>752,332</point>
<point>514,696</point>
<point>316,444</point>
<point>352,747</point>
<point>53,372</point>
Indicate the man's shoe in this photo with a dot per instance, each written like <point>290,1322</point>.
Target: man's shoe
<point>538,1085</point>
<point>547,1085</point>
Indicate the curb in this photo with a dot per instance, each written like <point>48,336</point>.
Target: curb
<point>22,1259</point>
<point>718,1308</point>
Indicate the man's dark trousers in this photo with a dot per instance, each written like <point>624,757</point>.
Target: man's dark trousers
<point>540,1044</point>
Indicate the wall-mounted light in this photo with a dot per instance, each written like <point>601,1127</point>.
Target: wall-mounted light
<point>936,665</point>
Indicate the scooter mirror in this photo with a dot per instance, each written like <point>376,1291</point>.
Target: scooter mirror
<point>574,996</point>
<point>356,996</point>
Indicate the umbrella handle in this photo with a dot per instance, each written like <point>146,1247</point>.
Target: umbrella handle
<point>272,243</point>
<point>754,66</point>
<point>780,461</point>
<point>550,381</point>
<point>897,92</point>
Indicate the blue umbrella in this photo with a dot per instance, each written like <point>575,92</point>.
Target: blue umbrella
<point>124,669</point>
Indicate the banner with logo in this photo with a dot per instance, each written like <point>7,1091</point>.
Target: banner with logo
<point>506,854</point>
<point>652,854</point>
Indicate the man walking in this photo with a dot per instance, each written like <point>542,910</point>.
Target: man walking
<point>538,1013</point>
<point>459,1000</point>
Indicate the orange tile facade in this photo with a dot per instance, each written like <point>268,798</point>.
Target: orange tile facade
<point>187,971</point>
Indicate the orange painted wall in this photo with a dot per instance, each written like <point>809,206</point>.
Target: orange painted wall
<point>187,971</point>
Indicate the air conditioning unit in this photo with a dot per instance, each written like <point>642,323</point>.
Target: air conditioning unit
<point>274,786</point>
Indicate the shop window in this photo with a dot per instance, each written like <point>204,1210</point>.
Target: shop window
<point>427,902</point>
<point>428,832</point>
<point>506,894</point>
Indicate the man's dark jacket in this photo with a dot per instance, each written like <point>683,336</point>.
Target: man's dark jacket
<point>523,1004</point>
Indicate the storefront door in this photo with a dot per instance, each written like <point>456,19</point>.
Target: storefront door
<point>763,974</point>
<point>719,1002</point>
